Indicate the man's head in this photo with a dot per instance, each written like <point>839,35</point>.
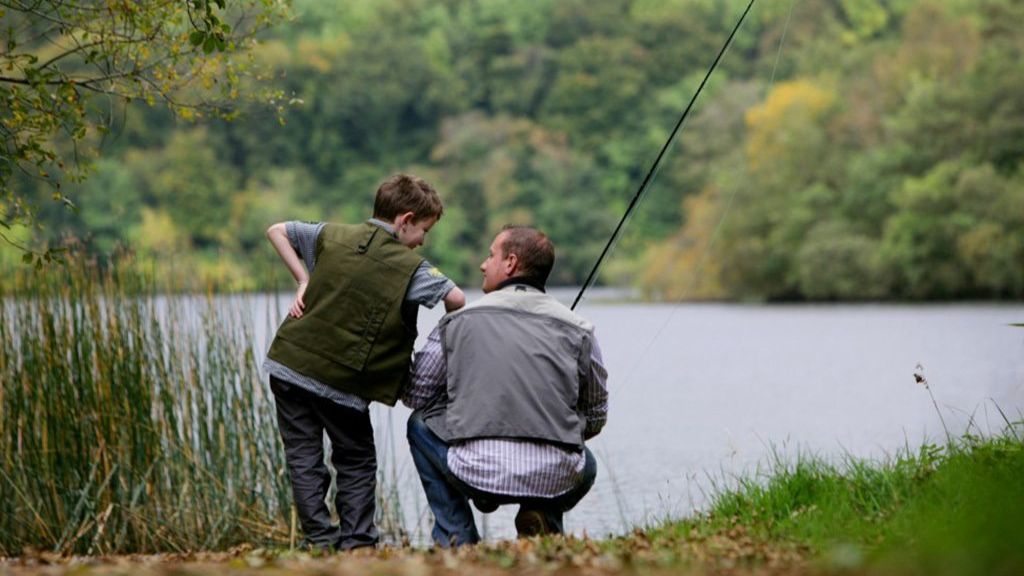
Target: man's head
<point>409,204</point>
<point>518,252</point>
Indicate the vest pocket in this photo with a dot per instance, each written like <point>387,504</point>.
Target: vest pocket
<point>348,342</point>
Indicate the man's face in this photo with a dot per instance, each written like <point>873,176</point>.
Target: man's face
<point>413,233</point>
<point>497,267</point>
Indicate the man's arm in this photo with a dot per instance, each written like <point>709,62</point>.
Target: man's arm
<point>593,401</point>
<point>278,236</point>
<point>427,373</point>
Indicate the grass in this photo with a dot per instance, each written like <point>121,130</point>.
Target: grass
<point>952,509</point>
<point>944,509</point>
<point>135,423</point>
<point>131,421</point>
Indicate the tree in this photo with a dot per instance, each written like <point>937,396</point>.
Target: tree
<point>509,170</point>
<point>68,67</point>
<point>683,266</point>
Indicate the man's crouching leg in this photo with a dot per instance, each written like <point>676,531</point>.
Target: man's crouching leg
<point>539,517</point>
<point>453,517</point>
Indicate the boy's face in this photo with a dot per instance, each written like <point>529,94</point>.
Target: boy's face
<point>412,232</point>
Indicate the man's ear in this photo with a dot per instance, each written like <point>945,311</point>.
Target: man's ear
<point>511,264</point>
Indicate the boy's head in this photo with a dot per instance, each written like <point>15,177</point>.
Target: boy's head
<point>409,204</point>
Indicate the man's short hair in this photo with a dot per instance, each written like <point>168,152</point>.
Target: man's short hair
<point>534,250</point>
<point>403,193</point>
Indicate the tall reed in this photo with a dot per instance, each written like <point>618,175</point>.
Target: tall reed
<point>130,421</point>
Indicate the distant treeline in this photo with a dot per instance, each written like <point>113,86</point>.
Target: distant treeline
<point>877,155</point>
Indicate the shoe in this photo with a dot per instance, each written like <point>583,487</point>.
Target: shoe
<point>316,548</point>
<point>531,522</point>
<point>485,506</point>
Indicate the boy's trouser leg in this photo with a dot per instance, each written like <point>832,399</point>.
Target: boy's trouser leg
<point>355,462</point>
<point>453,518</point>
<point>302,432</point>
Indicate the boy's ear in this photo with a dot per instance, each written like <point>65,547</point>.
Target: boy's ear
<point>404,218</point>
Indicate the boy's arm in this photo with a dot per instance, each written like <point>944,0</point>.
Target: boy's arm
<point>429,286</point>
<point>454,299</point>
<point>278,236</point>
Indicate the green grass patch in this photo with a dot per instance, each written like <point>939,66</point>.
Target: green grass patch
<point>944,509</point>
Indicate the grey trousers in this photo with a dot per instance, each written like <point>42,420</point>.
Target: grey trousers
<point>302,419</point>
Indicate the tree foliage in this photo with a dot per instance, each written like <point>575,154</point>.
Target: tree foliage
<point>68,67</point>
<point>877,155</point>
<point>894,172</point>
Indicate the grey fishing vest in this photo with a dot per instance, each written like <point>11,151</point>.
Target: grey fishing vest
<point>515,360</point>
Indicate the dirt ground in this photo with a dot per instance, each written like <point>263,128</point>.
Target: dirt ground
<point>724,554</point>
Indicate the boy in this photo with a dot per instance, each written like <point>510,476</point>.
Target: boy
<point>348,341</point>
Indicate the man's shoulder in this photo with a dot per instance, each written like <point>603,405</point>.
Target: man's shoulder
<point>528,302</point>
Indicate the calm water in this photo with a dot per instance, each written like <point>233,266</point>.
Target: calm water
<point>702,392</point>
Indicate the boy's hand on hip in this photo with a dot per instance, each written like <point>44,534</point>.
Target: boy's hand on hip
<point>298,306</point>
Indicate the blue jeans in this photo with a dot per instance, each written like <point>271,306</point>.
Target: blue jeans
<point>449,497</point>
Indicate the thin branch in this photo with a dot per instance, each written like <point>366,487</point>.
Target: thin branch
<point>17,245</point>
<point>112,31</point>
<point>78,48</point>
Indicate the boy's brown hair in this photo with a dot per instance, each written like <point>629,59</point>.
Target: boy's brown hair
<point>403,193</point>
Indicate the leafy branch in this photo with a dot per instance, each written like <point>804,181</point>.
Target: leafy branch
<point>59,55</point>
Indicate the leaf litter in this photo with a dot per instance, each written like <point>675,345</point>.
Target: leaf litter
<point>673,549</point>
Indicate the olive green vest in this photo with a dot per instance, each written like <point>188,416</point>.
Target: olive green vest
<point>357,333</point>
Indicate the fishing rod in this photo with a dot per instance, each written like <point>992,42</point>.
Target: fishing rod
<point>650,173</point>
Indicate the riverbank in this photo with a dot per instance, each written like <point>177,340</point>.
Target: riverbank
<point>943,509</point>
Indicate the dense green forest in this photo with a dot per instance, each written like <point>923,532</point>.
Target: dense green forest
<point>845,149</point>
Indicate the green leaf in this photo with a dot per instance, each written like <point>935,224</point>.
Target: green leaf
<point>209,44</point>
<point>26,258</point>
<point>197,37</point>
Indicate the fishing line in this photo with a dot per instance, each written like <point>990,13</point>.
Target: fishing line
<point>782,39</point>
<point>650,173</point>
<point>718,226</point>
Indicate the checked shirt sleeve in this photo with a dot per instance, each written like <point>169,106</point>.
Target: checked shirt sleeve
<point>594,394</point>
<point>302,236</point>
<point>427,373</point>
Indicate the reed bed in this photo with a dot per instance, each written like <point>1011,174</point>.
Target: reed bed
<point>131,421</point>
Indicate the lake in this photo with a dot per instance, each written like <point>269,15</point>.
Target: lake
<point>700,393</point>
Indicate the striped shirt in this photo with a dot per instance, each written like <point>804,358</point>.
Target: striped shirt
<point>504,466</point>
<point>426,288</point>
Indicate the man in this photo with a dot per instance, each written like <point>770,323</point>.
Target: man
<point>505,392</point>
